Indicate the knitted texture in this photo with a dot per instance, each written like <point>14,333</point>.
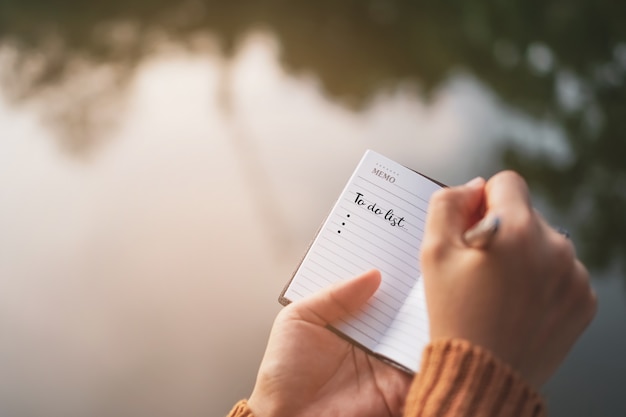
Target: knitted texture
<point>460,379</point>
<point>241,409</point>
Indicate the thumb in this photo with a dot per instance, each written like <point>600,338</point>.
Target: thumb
<point>453,210</point>
<point>339,300</point>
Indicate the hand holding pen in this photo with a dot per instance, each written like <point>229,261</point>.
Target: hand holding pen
<point>525,298</point>
<point>479,236</point>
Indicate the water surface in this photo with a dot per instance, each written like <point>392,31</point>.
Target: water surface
<point>163,167</point>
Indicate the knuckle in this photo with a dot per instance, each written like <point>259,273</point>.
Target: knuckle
<point>563,254</point>
<point>509,189</point>
<point>513,177</point>
<point>442,197</point>
<point>433,251</point>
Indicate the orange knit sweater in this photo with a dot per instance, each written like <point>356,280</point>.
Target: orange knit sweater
<point>461,380</point>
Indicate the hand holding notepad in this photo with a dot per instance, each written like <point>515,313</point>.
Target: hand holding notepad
<point>377,222</point>
<point>520,302</point>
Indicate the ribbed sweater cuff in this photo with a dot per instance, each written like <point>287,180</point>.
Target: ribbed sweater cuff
<point>241,409</point>
<point>459,379</point>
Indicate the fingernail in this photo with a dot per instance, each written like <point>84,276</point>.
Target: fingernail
<point>475,183</point>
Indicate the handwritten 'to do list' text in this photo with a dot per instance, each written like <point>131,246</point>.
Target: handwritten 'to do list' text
<point>375,223</point>
<point>389,215</point>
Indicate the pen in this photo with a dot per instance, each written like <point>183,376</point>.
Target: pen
<point>479,235</point>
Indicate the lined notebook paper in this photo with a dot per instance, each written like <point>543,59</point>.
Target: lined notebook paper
<point>377,222</point>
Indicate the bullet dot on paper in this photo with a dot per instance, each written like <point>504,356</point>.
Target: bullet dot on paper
<point>343,224</point>
<point>338,231</point>
<point>348,215</point>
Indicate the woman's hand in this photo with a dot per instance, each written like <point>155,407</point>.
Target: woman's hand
<point>526,297</point>
<point>308,370</point>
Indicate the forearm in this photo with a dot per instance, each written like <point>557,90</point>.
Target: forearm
<point>459,379</point>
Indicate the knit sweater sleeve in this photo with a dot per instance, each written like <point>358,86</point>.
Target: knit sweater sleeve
<point>461,380</point>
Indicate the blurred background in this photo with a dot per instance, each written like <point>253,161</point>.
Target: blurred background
<point>164,165</point>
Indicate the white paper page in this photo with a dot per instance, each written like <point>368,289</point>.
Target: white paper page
<point>408,335</point>
<point>377,222</point>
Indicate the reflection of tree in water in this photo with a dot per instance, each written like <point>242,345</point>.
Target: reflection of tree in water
<point>559,61</point>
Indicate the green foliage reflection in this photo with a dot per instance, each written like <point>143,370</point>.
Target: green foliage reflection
<point>559,61</point>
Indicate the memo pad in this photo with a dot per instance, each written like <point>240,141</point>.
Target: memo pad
<point>376,223</point>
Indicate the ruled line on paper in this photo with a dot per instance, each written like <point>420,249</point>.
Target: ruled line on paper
<point>302,286</point>
<point>365,323</point>
<point>346,324</point>
<point>369,312</point>
<point>348,272</point>
<point>387,239</point>
<point>382,296</point>
<point>406,337</point>
<point>397,296</point>
<point>378,303</point>
<point>329,255</point>
<point>389,310</point>
<point>409,331</point>
<point>362,192</point>
<point>401,320</point>
<point>295,291</point>
<point>411,277</point>
<point>388,197</point>
<point>389,304</point>
<point>385,343</point>
<point>385,320</point>
<point>388,316</point>
<point>365,319</point>
<point>402,285</point>
<point>357,193</point>
<point>351,241</point>
<point>424,182</point>
<point>321,277</point>
<point>402,347</point>
<point>383,246</point>
<point>409,236</point>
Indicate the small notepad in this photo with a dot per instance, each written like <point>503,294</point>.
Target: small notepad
<point>377,223</point>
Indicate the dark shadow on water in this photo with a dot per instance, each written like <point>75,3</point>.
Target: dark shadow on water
<point>560,62</point>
